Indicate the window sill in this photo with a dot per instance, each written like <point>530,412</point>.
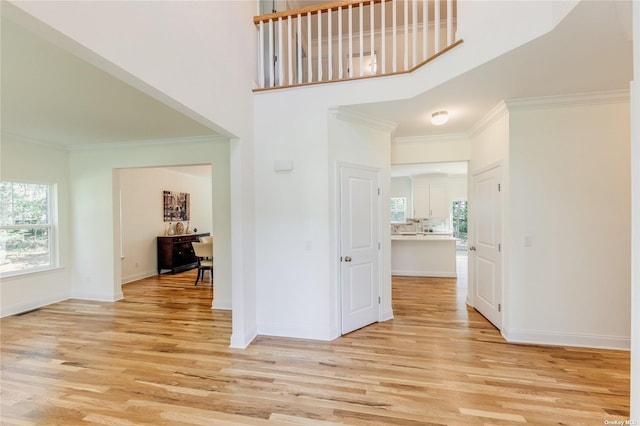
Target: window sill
<point>10,276</point>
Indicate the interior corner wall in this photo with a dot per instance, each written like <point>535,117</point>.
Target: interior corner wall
<point>570,200</point>
<point>96,223</point>
<point>23,161</point>
<point>142,214</point>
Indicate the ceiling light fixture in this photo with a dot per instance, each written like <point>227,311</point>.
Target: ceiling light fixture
<point>439,118</point>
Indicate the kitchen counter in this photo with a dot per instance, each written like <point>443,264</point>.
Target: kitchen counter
<point>423,255</point>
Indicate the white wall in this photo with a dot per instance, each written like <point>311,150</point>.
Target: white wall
<point>142,219</point>
<point>432,149</point>
<point>401,187</point>
<point>635,217</point>
<point>24,161</point>
<point>96,185</point>
<point>569,192</point>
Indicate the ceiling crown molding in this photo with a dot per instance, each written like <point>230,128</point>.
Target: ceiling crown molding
<point>352,116</point>
<point>576,99</point>
<point>146,143</point>
<point>15,137</point>
<point>491,117</point>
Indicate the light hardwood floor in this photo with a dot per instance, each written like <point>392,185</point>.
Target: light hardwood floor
<point>161,356</point>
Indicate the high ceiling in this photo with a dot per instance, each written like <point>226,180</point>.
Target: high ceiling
<point>50,95</point>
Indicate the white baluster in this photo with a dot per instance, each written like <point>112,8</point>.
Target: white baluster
<point>329,46</point>
<point>394,32</point>
<point>280,54</point>
<point>309,48</point>
<point>372,30</point>
<point>340,42</point>
<point>449,22</point>
<point>414,15</point>
<point>271,64</point>
<point>425,29</point>
<point>383,31</point>
<point>261,81</point>
<point>406,35</point>
<point>289,52</point>
<point>350,72</point>
<point>319,46</point>
<point>299,46</point>
<point>436,31</point>
<point>361,7</point>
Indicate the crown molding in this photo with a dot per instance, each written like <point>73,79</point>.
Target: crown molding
<point>352,116</point>
<point>16,137</point>
<point>491,117</point>
<point>445,137</point>
<point>145,143</point>
<point>576,99</point>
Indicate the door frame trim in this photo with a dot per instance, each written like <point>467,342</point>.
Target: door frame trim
<point>338,200</point>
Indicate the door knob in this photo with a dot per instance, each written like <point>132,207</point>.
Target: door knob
<point>347,259</point>
<point>472,248</point>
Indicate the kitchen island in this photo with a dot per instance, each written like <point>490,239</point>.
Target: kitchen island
<point>423,255</point>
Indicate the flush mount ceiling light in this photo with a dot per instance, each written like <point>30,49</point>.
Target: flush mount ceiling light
<point>439,118</point>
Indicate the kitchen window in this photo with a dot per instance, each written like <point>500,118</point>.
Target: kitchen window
<point>26,227</point>
<point>398,209</point>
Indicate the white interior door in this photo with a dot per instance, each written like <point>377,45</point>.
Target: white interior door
<point>359,231</point>
<point>486,245</point>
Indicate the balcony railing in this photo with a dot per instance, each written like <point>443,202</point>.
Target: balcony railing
<point>352,39</point>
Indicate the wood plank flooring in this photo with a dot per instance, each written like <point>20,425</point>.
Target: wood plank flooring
<point>161,356</point>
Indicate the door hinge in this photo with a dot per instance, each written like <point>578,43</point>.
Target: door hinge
<point>379,300</point>
<point>499,187</point>
<point>378,191</point>
<point>378,246</point>
<point>499,307</point>
<point>499,248</point>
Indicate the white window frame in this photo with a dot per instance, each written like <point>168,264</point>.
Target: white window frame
<point>51,227</point>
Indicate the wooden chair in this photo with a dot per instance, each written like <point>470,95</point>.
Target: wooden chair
<point>204,253</point>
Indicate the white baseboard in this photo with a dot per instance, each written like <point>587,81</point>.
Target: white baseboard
<point>222,304</point>
<point>31,305</point>
<point>567,339</point>
<point>386,316</point>
<point>285,330</point>
<point>98,297</point>
<point>242,342</point>
<point>436,274</point>
<point>138,276</point>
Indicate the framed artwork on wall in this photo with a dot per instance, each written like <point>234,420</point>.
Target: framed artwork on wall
<point>177,206</point>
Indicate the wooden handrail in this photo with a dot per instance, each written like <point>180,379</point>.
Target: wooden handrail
<point>331,6</point>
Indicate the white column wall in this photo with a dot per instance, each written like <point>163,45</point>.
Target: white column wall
<point>569,195</point>
<point>24,161</point>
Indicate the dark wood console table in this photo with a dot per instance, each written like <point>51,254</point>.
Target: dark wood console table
<point>176,253</point>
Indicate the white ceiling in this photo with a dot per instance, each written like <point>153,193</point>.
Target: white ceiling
<point>53,96</point>
<point>591,50</point>
<point>50,95</point>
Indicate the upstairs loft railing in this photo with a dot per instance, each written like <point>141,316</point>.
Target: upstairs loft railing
<point>352,39</point>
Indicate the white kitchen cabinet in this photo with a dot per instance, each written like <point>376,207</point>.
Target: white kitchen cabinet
<point>429,200</point>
